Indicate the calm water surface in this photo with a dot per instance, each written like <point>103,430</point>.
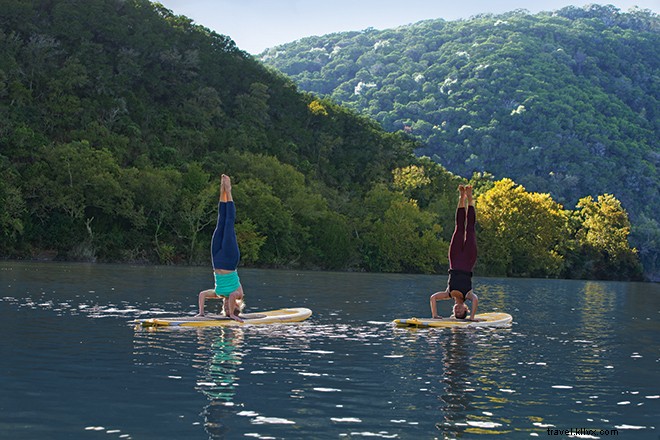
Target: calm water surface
<point>579,355</point>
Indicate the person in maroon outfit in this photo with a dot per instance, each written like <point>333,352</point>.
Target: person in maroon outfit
<point>462,258</point>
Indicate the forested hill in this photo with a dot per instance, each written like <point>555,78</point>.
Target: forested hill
<point>117,117</point>
<point>564,102</point>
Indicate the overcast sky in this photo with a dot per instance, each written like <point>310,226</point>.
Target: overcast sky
<point>255,25</point>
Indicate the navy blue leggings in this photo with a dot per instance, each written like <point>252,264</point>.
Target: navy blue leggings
<point>224,247</point>
<point>463,246</point>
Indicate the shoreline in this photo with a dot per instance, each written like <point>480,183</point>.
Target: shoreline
<point>649,280</point>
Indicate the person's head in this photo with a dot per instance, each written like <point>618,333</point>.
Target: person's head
<point>460,310</point>
<point>239,306</point>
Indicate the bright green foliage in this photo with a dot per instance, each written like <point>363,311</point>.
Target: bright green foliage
<point>401,238</point>
<point>410,177</point>
<point>603,239</point>
<point>112,141</point>
<point>605,225</point>
<point>521,233</point>
<point>117,119</point>
<point>563,102</point>
<point>249,241</point>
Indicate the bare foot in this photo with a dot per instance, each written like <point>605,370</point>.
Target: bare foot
<point>199,315</point>
<point>226,181</point>
<point>437,317</point>
<point>461,198</point>
<point>223,197</point>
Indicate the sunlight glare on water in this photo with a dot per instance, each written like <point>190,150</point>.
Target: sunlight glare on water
<point>578,355</point>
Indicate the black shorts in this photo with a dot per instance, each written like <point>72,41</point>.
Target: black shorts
<point>460,280</point>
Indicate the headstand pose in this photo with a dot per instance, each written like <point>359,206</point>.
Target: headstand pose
<point>462,257</point>
<point>225,256</point>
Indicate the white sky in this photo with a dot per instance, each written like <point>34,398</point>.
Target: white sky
<point>255,25</point>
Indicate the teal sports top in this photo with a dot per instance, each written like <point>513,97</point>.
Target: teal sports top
<point>226,283</point>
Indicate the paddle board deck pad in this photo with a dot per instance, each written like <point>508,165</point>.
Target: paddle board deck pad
<point>491,319</point>
<point>211,320</point>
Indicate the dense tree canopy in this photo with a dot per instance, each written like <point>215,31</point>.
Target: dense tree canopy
<point>117,117</point>
<point>522,232</point>
<point>564,102</point>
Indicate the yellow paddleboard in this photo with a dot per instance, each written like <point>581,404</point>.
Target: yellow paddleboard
<point>491,319</point>
<point>211,320</point>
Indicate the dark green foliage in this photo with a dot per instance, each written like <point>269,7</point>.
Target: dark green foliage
<point>117,117</point>
<point>564,102</point>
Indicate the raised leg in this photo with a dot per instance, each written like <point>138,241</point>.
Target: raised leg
<point>457,238</point>
<point>470,246</point>
<point>224,246</point>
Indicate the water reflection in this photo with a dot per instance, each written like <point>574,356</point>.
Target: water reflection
<point>209,359</point>
<point>456,370</point>
<point>585,344</point>
<point>220,376</point>
<point>265,360</point>
<point>580,354</point>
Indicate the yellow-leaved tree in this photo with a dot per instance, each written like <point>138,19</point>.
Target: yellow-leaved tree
<point>520,233</point>
<point>601,235</point>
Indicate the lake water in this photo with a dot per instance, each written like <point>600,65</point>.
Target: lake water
<point>579,355</point>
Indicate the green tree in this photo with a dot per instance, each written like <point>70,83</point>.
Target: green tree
<point>647,234</point>
<point>156,193</point>
<point>196,209</point>
<point>82,184</point>
<point>271,219</point>
<point>410,177</point>
<point>115,115</point>
<point>252,116</point>
<point>249,241</point>
<point>332,243</point>
<point>602,235</point>
<point>12,206</point>
<point>554,101</point>
<point>401,238</point>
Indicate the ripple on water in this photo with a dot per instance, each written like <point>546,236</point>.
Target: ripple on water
<point>345,420</point>
<point>262,420</point>
<point>109,431</point>
<point>631,427</point>
<point>381,434</point>
<point>306,375</point>
<point>481,424</point>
